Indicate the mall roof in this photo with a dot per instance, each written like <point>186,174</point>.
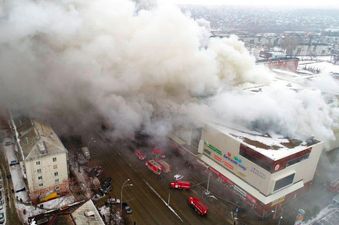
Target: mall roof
<point>275,148</point>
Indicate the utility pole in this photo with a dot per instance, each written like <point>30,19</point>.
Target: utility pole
<point>208,184</point>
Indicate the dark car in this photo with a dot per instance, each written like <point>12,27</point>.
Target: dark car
<point>106,189</point>
<point>2,218</point>
<point>96,171</point>
<point>20,190</point>
<point>127,208</point>
<point>107,180</point>
<point>106,185</point>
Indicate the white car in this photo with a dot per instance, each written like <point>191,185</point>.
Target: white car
<point>178,176</point>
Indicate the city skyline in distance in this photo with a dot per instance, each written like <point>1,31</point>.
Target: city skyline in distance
<point>265,3</point>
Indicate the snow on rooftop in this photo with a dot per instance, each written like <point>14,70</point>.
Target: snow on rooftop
<point>80,217</point>
<point>275,148</point>
<point>324,67</point>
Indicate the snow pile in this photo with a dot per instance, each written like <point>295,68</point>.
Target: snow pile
<point>57,203</point>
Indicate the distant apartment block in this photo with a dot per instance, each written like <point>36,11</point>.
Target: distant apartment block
<point>43,158</point>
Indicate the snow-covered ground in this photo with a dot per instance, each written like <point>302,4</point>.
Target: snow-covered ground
<point>327,216</point>
<point>3,198</point>
<point>317,58</point>
<point>16,173</point>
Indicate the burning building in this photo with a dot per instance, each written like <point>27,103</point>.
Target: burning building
<point>43,158</point>
<point>263,171</point>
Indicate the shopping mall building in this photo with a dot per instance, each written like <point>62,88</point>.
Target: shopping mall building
<point>263,171</point>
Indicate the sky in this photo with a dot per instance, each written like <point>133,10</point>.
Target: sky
<point>287,3</point>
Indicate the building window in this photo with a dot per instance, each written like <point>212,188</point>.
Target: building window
<point>38,170</point>
<point>55,166</point>
<point>57,180</point>
<point>40,177</point>
<point>37,162</point>
<point>283,182</point>
<point>54,159</point>
<point>41,184</point>
<point>56,174</point>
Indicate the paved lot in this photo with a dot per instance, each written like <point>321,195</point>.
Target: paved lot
<point>120,163</point>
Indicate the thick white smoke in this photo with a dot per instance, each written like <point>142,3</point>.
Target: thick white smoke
<point>138,66</point>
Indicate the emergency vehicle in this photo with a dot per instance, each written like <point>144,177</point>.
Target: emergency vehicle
<point>140,154</point>
<point>184,185</point>
<point>198,206</point>
<point>154,166</point>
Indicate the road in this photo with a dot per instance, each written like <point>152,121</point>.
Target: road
<point>11,214</point>
<point>119,162</point>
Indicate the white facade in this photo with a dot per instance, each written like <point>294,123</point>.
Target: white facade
<point>47,171</point>
<point>221,150</point>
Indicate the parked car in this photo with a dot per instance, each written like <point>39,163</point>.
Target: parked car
<point>113,201</point>
<point>184,185</point>
<point>2,218</point>
<point>127,208</point>
<point>107,181</point>
<point>198,205</point>
<point>20,190</point>
<point>13,162</point>
<point>96,171</point>
<point>140,154</point>
<point>106,185</point>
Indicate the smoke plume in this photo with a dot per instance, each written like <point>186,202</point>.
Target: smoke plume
<point>139,66</point>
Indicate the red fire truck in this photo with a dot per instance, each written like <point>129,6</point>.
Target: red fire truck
<point>198,206</point>
<point>185,185</point>
<point>154,166</point>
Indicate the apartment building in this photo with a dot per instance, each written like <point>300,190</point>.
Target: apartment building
<point>43,158</point>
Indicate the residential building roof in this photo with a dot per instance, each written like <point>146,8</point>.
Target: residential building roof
<point>37,139</point>
<point>80,217</point>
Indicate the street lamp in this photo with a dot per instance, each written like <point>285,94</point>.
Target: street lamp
<point>280,220</point>
<point>207,192</point>
<point>125,184</point>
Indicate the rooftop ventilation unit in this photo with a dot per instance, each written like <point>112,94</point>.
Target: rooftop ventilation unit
<point>42,147</point>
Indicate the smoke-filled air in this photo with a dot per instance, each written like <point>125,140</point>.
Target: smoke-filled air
<point>141,66</point>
